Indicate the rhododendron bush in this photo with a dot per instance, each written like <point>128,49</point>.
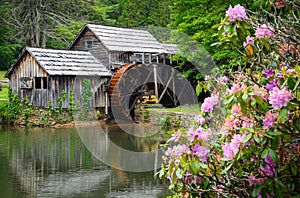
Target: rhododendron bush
<point>246,140</point>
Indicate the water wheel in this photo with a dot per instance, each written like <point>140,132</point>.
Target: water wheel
<point>132,82</point>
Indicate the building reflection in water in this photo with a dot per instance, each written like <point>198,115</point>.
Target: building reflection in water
<point>55,163</point>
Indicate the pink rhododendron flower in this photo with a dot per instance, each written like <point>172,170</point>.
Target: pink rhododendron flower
<point>249,41</point>
<point>294,147</point>
<point>261,92</point>
<point>223,79</point>
<point>178,150</point>
<point>232,148</point>
<point>264,31</point>
<point>253,180</point>
<point>191,134</point>
<point>236,88</point>
<point>227,151</point>
<point>201,134</point>
<point>237,12</point>
<point>247,122</point>
<point>209,103</point>
<point>270,119</point>
<point>236,109</point>
<point>201,151</point>
<point>279,98</point>
<point>200,119</point>
<point>268,72</point>
<point>280,4</point>
<point>197,134</point>
<point>272,84</point>
<point>269,169</point>
<point>231,122</point>
<point>175,137</point>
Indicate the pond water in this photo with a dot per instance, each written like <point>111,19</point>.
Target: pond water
<point>47,162</point>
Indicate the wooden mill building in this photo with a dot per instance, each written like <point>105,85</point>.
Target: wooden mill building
<point>115,46</point>
<point>42,74</point>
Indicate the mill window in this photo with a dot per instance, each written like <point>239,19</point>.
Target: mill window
<point>26,82</point>
<point>40,82</point>
<point>89,44</point>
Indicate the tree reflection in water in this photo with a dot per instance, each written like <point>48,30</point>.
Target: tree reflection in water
<point>55,163</point>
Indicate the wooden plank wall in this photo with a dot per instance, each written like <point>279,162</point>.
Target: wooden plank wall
<point>68,83</point>
<point>98,50</point>
<point>28,67</point>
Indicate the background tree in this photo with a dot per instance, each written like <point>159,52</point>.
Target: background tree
<point>142,13</point>
<point>196,18</point>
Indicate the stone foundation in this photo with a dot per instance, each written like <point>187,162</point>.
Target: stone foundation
<point>163,117</point>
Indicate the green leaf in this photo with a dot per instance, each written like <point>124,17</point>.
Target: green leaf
<point>275,142</point>
<point>171,186</point>
<point>204,166</point>
<point>258,99</point>
<point>240,172</point>
<point>227,28</point>
<point>198,89</point>
<point>243,107</point>
<point>215,26</point>
<point>256,139</point>
<point>283,115</point>
<point>294,169</point>
<point>273,155</point>
<point>178,174</point>
<point>275,133</point>
<point>279,187</point>
<point>215,44</point>
<point>248,137</point>
<point>291,82</point>
<point>225,159</point>
<point>228,167</point>
<point>253,103</point>
<point>256,191</point>
<point>161,173</point>
<point>229,100</point>
<point>267,45</point>
<point>297,84</point>
<point>264,153</point>
<point>245,97</point>
<point>195,167</point>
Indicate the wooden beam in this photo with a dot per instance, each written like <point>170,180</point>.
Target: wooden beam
<point>155,80</point>
<point>143,58</point>
<point>166,87</point>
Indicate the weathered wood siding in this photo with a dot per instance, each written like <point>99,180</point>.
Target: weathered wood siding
<point>98,49</point>
<point>29,68</point>
<point>68,83</point>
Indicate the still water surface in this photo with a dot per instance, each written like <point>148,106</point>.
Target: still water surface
<point>44,162</point>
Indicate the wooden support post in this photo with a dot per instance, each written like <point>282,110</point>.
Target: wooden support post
<point>107,117</point>
<point>155,79</point>
<point>109,61</point>
<point>143,58</point>
<point>106,103</point>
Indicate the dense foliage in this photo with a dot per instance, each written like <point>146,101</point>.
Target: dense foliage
<point>49,23</point>
<point>246,141</point>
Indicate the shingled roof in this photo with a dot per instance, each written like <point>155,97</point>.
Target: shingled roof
<point>124,39</point>
<point>65,62</point>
